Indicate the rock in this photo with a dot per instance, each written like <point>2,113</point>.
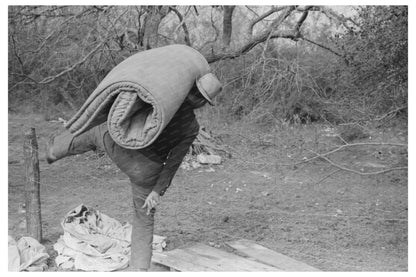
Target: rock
<point>195,164</point>
<point>265,193</point>
<point>159,243</point>
<point>208,159</point>
<point>225,219</point>
<point>262,174</point>
<point>63,121</point>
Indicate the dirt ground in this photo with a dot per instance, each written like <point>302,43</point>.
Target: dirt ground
<point>328,218</point>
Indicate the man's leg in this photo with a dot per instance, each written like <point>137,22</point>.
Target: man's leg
<point>142,233</point>
<point>66,144</point>
<point>143,173</point>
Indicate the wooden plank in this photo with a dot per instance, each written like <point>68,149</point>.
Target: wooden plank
<point>218,260</point>
<point>173,260</point>
<point>268,256</point>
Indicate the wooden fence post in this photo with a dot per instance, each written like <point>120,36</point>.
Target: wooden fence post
<point>32,186</point>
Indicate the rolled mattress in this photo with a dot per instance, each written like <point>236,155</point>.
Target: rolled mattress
<point>140,95</point>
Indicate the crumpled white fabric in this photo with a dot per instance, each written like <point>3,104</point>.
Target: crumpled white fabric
<point>27,255</point>
<point>93,241</point>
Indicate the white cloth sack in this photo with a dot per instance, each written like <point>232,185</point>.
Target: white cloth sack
<point>27,255</point>
<point>93,241</point>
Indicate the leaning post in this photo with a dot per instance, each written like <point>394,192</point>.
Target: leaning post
<point>32,185</point>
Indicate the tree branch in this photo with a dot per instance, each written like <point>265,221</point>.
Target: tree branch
<point>16,54</point>
<point>276,23</point>
<point>217,33</point>
<point>345,146</point>
<point>52,78</point>
<point>57,30</point>
<point>323,47</point>
<point>212,57</point>
<point>272,33</point>
<point>279,20</point>
<point>251,10</point>
<point>391,112</point>
<point>359,172</point>
<point>302,18</point>
<point>183,25</point>
<point>332,14</point>
<point>327,176</point>
<point>155,15</point>
<point>269,33</point>
<point>253,22</point>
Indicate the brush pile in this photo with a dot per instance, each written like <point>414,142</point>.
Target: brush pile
<point>204,150</point>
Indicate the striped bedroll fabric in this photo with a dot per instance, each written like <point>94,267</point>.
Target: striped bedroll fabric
<point>140,95</point>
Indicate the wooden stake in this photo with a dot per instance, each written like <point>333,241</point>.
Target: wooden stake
<point>32,187</point>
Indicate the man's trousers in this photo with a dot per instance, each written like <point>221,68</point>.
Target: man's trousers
<point>142,171</point>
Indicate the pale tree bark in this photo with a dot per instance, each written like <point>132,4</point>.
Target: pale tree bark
<point>152,22</point>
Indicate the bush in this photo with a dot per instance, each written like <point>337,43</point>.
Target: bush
<point>376,52</point>
<point>287,82</point>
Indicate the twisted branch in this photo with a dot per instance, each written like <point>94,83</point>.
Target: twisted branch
<point>182,24</point>
<point>273,10</point>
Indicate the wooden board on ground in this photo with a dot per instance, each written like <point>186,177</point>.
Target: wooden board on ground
<point>174,261</point>
<point>269,257</point>
<point>205,258</point>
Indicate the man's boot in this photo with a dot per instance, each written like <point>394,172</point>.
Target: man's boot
<point>57,146</point>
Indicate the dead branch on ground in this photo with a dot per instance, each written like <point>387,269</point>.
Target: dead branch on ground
<point>356,171</point>
<point>323,156</point>
<point>327,176</point>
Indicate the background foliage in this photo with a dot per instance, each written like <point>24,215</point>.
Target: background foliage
<point>278,64</point>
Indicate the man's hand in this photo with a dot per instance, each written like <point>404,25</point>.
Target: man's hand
<point>151,201</point>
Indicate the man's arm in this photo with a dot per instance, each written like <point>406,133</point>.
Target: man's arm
<point>173,162</point>
<point>170,167</point>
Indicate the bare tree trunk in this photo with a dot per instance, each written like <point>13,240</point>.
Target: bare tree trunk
<point>153,19</point>
<point>227,25</point>
<point>32,186</point>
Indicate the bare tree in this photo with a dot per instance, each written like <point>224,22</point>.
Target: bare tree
<point>227,25</point>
